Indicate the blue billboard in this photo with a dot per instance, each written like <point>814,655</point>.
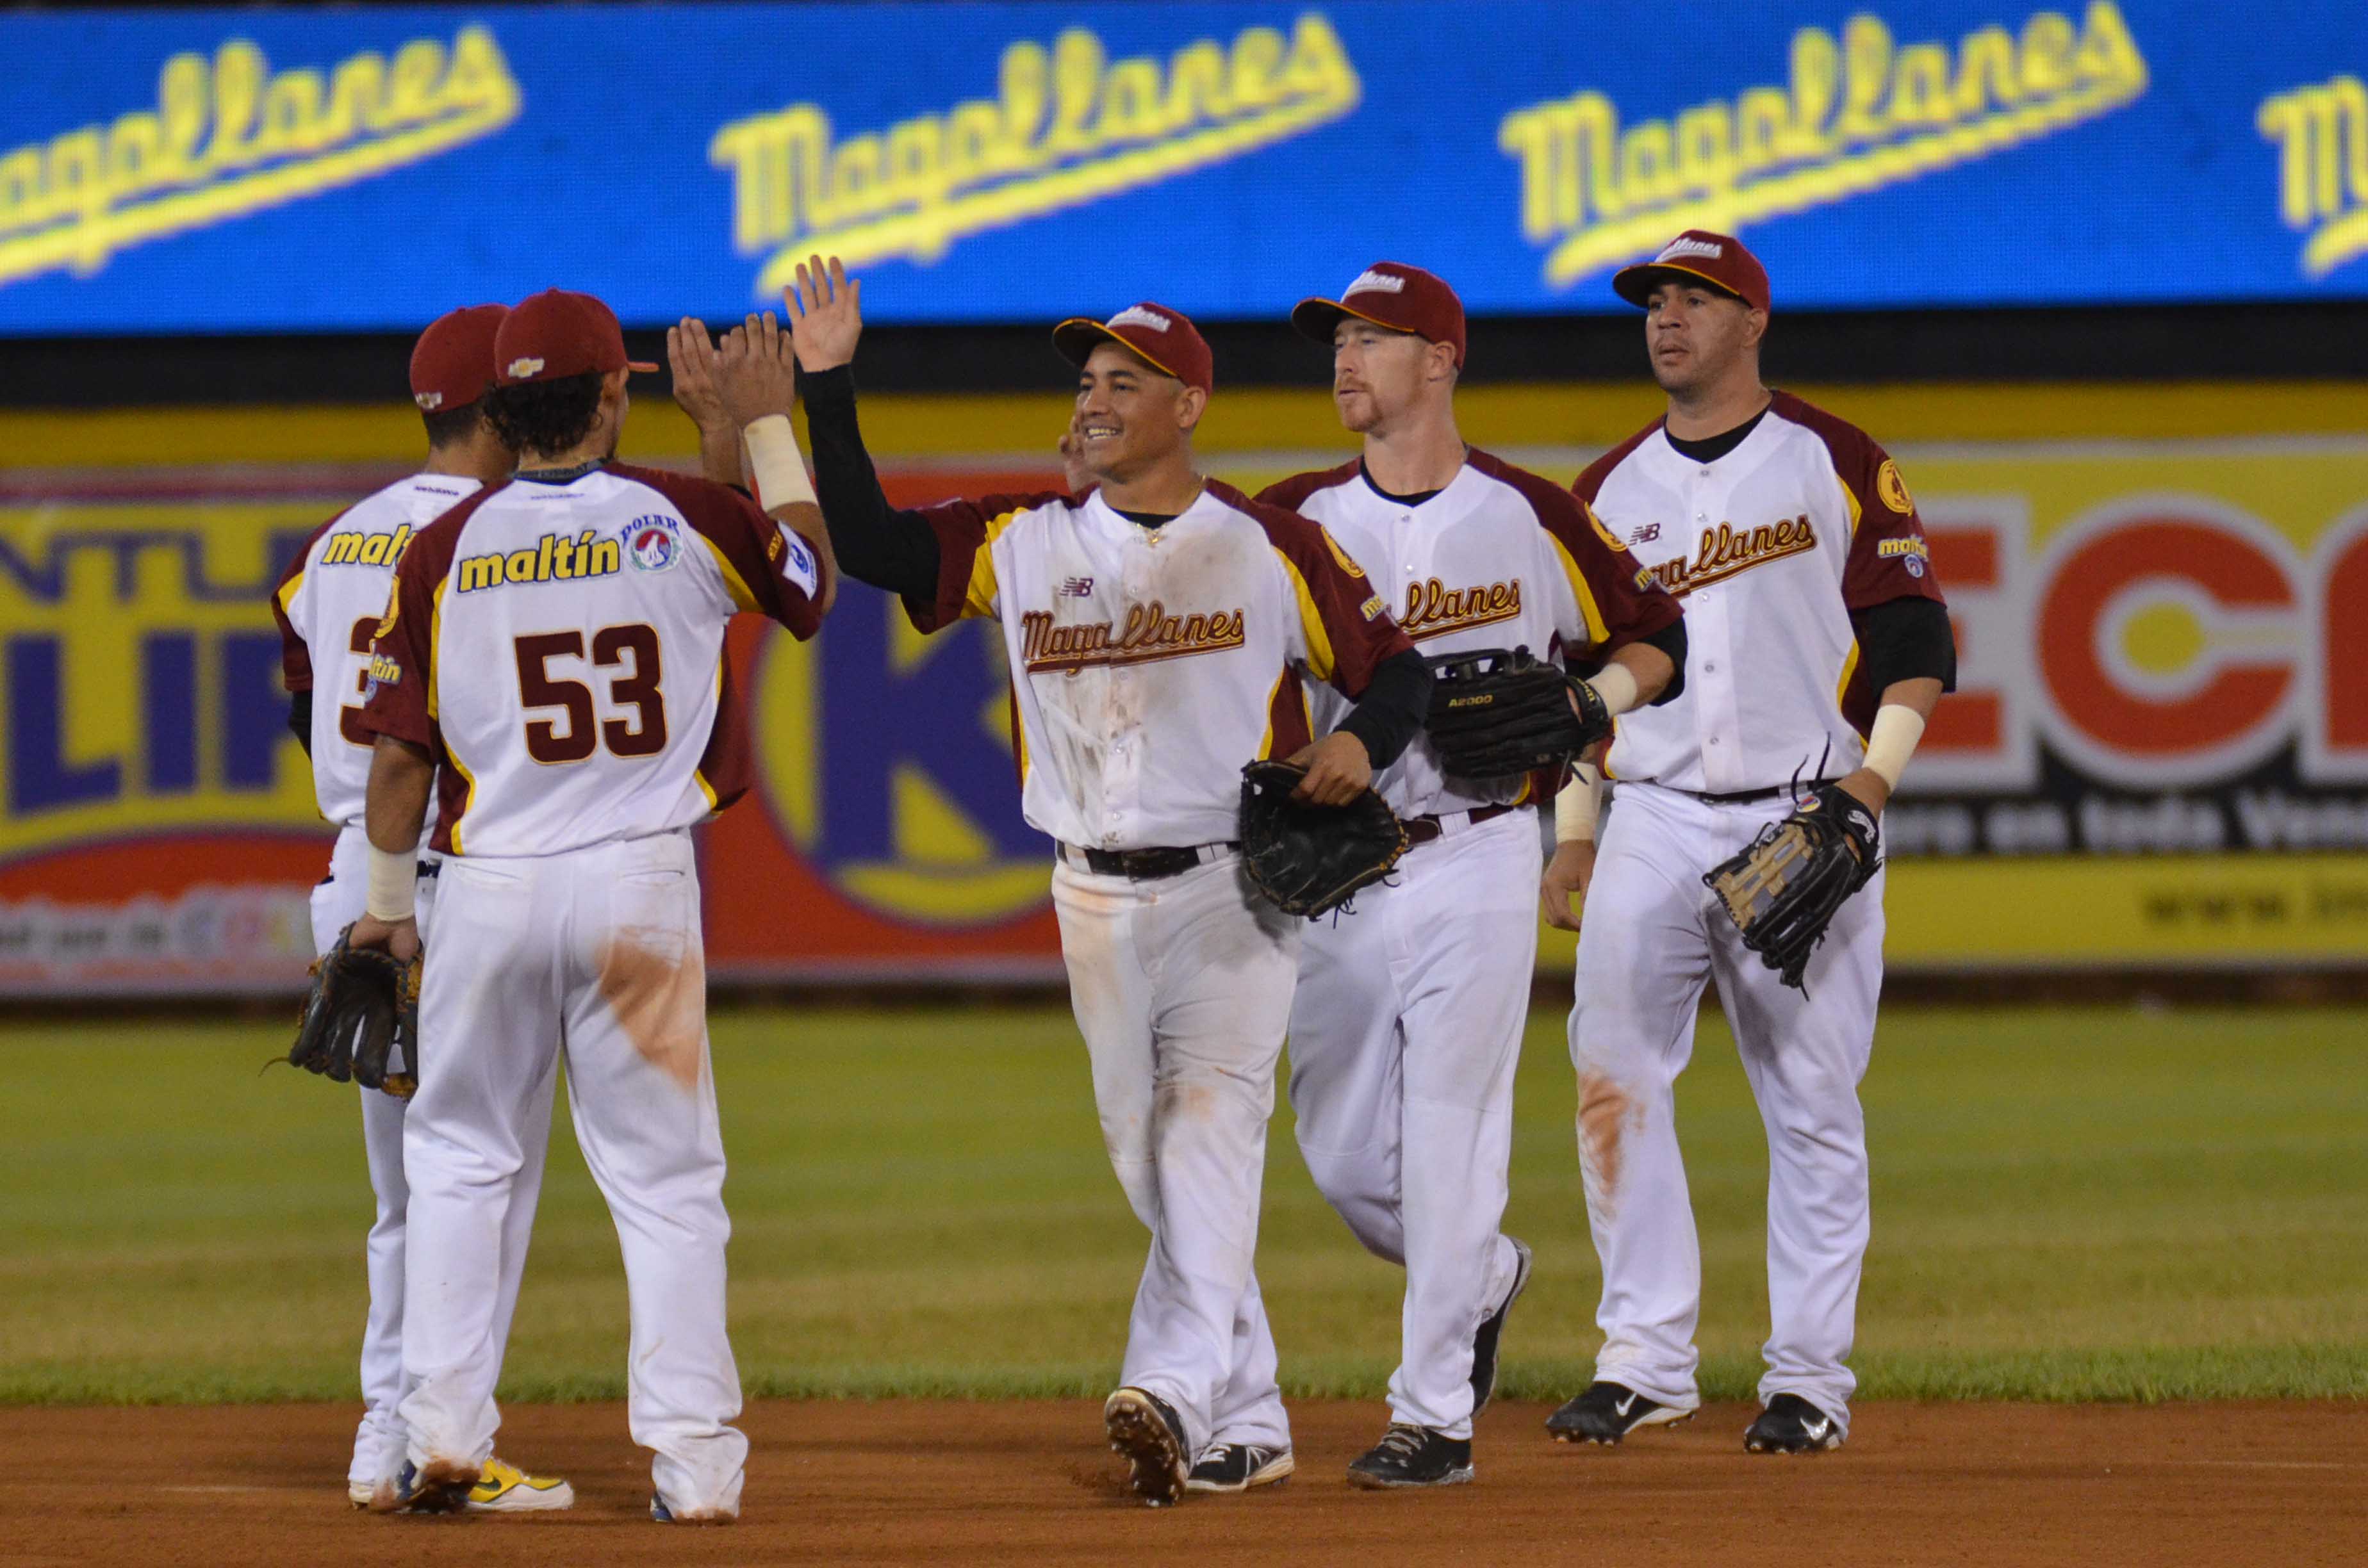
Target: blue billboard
<point>359,169</point>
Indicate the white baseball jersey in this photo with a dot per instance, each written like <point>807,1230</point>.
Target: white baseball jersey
<point>1149,664</point>
<point>1500,558</point>
<point>1770,547</point>
<point>558,648</point>
<point>328,605</point>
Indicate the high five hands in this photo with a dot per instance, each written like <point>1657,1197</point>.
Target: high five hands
<point>825,314</point>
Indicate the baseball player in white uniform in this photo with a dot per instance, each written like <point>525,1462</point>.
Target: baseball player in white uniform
<point>1156,627</point>
<point>327,606</point>
<point>1818,645</point>
<point>1406,1024</point>
<point>554,660</point>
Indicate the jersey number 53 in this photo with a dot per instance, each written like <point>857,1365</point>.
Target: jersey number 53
<point>633,649</point>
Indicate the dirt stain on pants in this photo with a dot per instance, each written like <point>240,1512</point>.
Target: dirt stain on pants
<point>1603,1110</point>
<point>655,983</point>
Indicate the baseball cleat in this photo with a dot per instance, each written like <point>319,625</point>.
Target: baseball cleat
<point>1485,1342</point>
<point>1606,1413</point>
<point>662,1514</point>
<point>1237,1467</point>
<point>504,1488</point>
<point>1145,1429</point>
<point>440,1486</point>
<point>1409,1455</point>
<point>1791,1424</point>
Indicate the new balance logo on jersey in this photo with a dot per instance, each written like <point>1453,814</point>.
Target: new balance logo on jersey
<point>552,559</point>
<point>1727,549</point>
<point>1076,587</point>
<point>1433,609</point>
<point>1150,634</point>
<point>354,548</point>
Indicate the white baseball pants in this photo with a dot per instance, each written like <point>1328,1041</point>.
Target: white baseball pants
<point>379,1441</point>
<point>1650,938</point>
<point>1182,987</point>
<point>594,955</point>
<point>1405,1033</point>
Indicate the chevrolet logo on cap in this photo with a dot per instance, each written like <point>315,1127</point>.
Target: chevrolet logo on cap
<point>520,369</point>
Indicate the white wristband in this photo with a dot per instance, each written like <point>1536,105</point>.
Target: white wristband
<point>776,470</point>
<point>1616,686</point>
<point>394,886</point>
<point>1576,807</point>
<point>1893,741</point>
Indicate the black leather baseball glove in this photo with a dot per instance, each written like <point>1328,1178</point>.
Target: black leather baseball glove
<point>1783,890</point>
<point>1310,859</point>
<point>1495,713</point>
<point>361,1019</point>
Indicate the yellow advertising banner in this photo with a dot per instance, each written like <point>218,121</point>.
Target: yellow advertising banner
<point>2157,752</point>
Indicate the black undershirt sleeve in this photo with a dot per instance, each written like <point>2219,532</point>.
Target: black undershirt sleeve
<point>1671,639</point>
<point>1396,704</point>
<point>875,542</point>
<point>299,718</point>
<point>1904,638</point>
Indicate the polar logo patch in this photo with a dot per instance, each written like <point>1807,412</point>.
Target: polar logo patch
<point>654,543</point>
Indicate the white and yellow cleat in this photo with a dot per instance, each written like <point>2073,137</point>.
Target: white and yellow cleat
<point>503,1488</point>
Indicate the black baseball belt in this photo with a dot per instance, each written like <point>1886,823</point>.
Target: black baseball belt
<point>1745,797</point>
<point>1144,865</point>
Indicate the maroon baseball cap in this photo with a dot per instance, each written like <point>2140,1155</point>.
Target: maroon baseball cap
<point>1165,339</point>
<point>452,363</point>
<point>557,334</point>
<point>1390,294</point>
<point>1717,259</point>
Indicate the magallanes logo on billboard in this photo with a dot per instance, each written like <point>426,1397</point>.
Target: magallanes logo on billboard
<point>1068,126</point>
<point>2322,136</point>
<point>1859,113</point>
<point>230,136</point>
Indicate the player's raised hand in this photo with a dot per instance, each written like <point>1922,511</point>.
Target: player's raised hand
<point>825,314</point>
<point>690,355</point>
<point>1074,472</point>
<point>755,373</point>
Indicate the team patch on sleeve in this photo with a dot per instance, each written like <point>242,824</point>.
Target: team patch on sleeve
<point>1910,550</point>
<point>1893,489</point>
<point>797,563</point>
<point>1373,609</point>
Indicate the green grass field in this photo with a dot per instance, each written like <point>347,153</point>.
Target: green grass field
<point>2069,1205</point>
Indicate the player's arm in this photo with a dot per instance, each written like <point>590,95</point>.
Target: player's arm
<point>876,542</point>
<point>403,757</point>
<point>690,357</point>
<point>295,658</point>
<point>755,373</point>
<point>1906,644</point>
<point>1348,639</point>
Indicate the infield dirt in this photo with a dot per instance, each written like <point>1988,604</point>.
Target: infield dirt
<point>1030,1482</point>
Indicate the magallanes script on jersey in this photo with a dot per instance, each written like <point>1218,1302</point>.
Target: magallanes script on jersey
<point>1150,634</point>
<point>1727,549</point>
<point>1434,609</point>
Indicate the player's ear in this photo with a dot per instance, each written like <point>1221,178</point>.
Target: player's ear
<point>1190,402</point>
<point>1442,357</point>
<point>1754,327</point>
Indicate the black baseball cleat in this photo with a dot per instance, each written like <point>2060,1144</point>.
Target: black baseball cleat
<point>1606,1413</point>
<point>1145,1429</point>
<point>1791,1424</point>
<point>1413,1456</point>
<point>1485,1342</point>
<point>1238,1467</point>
